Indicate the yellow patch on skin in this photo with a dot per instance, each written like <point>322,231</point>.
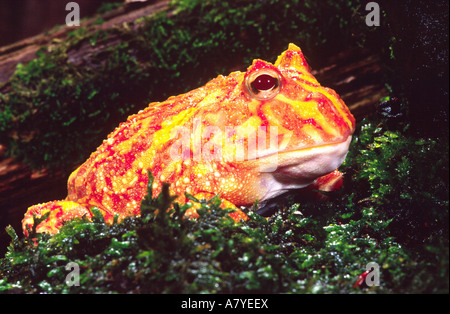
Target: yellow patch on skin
<point>162,136</point>
<point>172,169</point>
<point>253,106</point>
<point>249,127</point>
<point>201,170</point>
<point>333,99</point>
<point>125,146</point>
<point>312,133</point>
<point>305,111</point>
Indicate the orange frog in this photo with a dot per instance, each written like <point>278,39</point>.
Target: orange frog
<point>247,136</point>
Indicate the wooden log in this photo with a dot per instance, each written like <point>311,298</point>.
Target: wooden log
<point>25,50</point>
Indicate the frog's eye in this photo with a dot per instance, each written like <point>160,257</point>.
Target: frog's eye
<point>264,84</point>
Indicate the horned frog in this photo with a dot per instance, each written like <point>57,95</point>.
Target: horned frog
<point>246,136</point>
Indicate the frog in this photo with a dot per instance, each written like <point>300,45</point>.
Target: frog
<point>247,137</point>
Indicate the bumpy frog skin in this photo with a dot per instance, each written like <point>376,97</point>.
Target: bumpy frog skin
<point>211,141</point>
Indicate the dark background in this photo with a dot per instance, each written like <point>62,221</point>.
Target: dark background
<point>20,19</point>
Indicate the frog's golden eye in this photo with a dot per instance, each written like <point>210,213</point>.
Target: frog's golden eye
<point>263,84</point>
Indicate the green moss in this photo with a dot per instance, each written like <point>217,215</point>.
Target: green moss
<point>106,7</point>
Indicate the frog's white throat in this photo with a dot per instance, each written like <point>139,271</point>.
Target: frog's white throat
<point>299,168</point>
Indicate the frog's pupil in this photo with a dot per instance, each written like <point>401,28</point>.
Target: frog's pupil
<point>264,82</point>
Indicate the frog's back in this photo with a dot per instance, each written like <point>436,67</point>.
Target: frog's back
<point>116,174</point>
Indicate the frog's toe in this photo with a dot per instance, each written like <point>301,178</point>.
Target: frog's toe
<point>328,183</point>
<point>60,211</point>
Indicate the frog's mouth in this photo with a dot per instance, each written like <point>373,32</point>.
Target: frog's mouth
<point>296,169</point>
